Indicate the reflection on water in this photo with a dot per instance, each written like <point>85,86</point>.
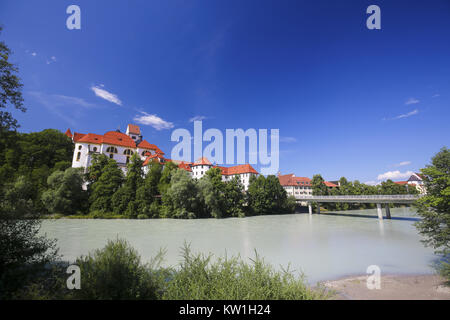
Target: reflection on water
<point>323,246</point>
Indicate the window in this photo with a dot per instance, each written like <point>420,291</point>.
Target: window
<point>111,156</point>
<point>128,153</point>
<point>144,152</point>
<point>111,150</point>
<point>79,147</point>
<point>78,156</point>
<point>95,149</point>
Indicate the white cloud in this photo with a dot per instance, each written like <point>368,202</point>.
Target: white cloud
<point>53,58</point>
<point>405,115</point>
<point>393,175</point>
<point>288,139</point>
<point>153,120</point>
<point>436,95</point>
<point>403,163</point>
<point>34,54</point>
<point>102,93</point>
<point>197,118</point>
<point>412,101</point>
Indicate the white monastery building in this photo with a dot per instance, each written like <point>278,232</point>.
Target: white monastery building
<point>121,146</point>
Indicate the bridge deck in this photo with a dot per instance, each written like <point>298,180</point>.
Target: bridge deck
<point>406,199</point>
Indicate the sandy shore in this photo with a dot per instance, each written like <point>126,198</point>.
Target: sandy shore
<point>393,287</point>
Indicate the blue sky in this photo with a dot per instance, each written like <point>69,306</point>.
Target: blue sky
<point>348,101</point>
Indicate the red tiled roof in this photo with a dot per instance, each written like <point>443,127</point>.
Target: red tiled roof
<point>185,166</point>
<point>91,138</point>
<point>118,139</point>
<point>155,157</point>
<point>401,182</point>
<point>330,184</point>
<point>202,161</point>
<point>291,180</point>
<point>134,129</point>
<point>145,145</point>
<point>68,133</point>
<point>77,136</point>
<point>239,169</point>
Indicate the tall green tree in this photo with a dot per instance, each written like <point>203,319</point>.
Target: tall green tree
<point>10,89</point>
<point>212,191</point>
<point>164,183</point>
<point>235,197</point>
<point>24,253</point>
<point>318,185</point>
<point>65,194</point>
<point>181,200</point>
<point>434,207</point>
<point>103,190</point>
<point>146,194</point>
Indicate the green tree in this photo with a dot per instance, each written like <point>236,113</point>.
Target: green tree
<point>266,196</point>
<point>65,194</point>
<point>434,207</point>
<point>146,194</point>
<point>181,198</point>
<point>124,200</point>
<point>318,186</point>
<point>235,197</point>
<point>23,252</point>
<point>103,190</point>
<point>164,183</point>
<point>212,191</point>
<point>94,171</point>
<point>10,89</point>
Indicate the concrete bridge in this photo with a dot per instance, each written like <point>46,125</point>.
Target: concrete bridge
<point>378,199</point>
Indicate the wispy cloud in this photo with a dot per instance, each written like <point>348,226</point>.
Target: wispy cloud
<point>405,115</point>
<point>393,175</point>
<point>197,118</point>
<point>436,95</point>
<point>153,120</point>
<point>412,101</point>
<point>34,54</point>
<point>108,96</point>
<point>66,107</point>
<point>51,60</point>
<point>288,139</point>
<point>403,163</point>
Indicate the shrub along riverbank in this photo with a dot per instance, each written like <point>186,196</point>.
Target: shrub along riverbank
<point>117,272</point>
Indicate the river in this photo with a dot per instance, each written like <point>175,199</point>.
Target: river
<point>325,246</point>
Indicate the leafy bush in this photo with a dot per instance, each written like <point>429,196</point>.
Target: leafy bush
<point>116,272</point>
<point>200,278</point>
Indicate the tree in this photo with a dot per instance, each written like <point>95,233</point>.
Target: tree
<point>181,198</point>
<point>65,194</point>
<point>10,89</point>
<point>235,197</point>
<point>434,207</point>
<point>124,200</point>
<point>267,196</point>
<point>164,183</point>
<point>94,171</point>
<point>212,191</point>
<point>318,185</point>
<point>23,252</point>
<point>103,190</point>
<point>147,192</point>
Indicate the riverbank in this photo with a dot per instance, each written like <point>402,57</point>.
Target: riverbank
<point>393,287</point>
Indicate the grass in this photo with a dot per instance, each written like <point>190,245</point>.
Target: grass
<point>116,272</point>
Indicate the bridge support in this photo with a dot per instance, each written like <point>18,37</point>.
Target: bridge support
<point>388,211</point>
<point>310,207</point>
<point>318,208</point>
<point>379,211</point>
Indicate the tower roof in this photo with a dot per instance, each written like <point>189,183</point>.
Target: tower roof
<point>133,129</point>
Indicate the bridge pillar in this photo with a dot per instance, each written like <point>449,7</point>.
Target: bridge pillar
<point>388,211</point>
<point>310,207</point>
<point>379,211</point>
<point>318,208</point>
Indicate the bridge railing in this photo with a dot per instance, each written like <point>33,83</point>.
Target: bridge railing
<point>370,197</point>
